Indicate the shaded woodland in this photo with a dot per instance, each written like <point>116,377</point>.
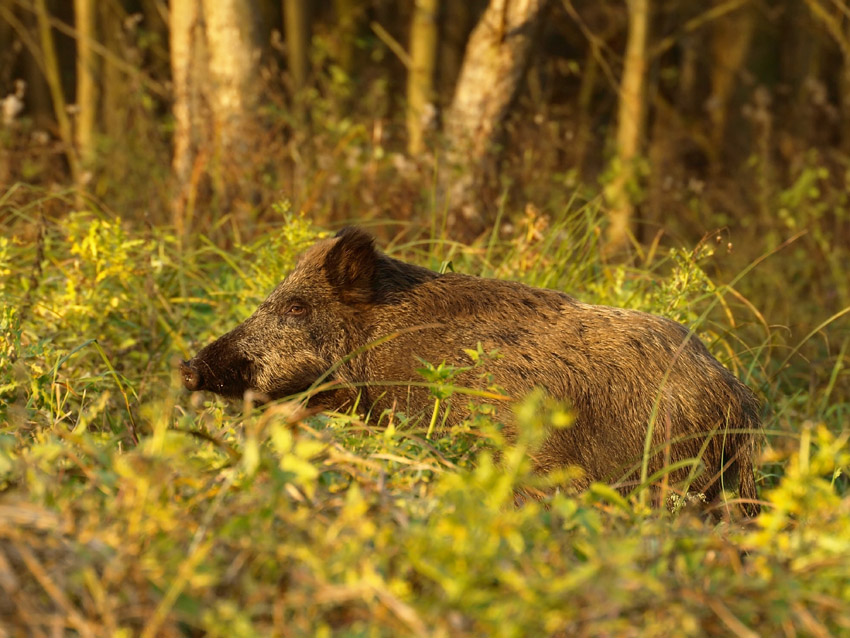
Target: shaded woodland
<point>682,122</point>
<point>688,115</point>
<point>725,121</point>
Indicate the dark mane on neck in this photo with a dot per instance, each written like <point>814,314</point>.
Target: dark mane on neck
<point>394,277</point>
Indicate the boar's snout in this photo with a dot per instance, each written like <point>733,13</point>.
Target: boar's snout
<point>219,368</point>
<point>191,376</point>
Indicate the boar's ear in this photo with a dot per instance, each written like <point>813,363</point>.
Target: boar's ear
<point>350,264</point>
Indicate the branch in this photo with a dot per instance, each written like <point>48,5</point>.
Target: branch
<point>393,44</point>
<point>696,23</point>
<point>153,86</point>
<point>54,81</point>
<point>833,26</point>
<point>597,43</point>
<point>23,34</point>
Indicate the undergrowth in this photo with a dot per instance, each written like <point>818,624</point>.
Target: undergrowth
<point>129,508</point>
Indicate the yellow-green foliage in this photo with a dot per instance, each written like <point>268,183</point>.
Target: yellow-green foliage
<point>128,508</point>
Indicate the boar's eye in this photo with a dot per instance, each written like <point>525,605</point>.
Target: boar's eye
<point>295,309</point>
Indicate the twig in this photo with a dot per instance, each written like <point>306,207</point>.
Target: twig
<point>54,83</point>
<point>133,430</point>
<point>833,25</point>
<point>695,23</point>
<point>36,272</point>
<point>393,44</point>
<point>52,590</point>
<point>728,618</point>
<point>181,580</point>
<point>598,45</point>
<point>23,33</point>
<point>155,87</point>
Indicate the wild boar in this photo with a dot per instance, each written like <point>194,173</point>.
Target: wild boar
<point>371,320</point>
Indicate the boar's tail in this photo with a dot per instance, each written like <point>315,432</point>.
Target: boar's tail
<point>748,451</point>
<point>747,485</point>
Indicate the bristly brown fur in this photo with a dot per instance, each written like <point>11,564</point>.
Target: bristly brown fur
<point>620,370</point>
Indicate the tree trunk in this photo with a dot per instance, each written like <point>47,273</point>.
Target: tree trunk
<point>845,90</point>
<point>689,78</point>
<point>496,58</point>
<point>296,21</point>
<point>455,24</point>
<point>233,55</point>
<point>420,75</point>
<point>584,115</point>
<point>6,39</point>
<point>348,15</point>
<point>8,114</point>
<point>800,60</point>
<point>114,94</point>
<point>837,24</point>
<point>53,75</point>
<point>84,19</point>
<point>730,43</point>
<point>190,116</point>
<point>214,71</point>
<point>631,117</point>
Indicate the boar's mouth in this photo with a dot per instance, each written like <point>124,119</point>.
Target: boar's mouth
<point>236,377</point>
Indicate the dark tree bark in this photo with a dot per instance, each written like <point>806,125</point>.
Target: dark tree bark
<point>348,14</point>
<point>731,35</point>
<point>835,18</point>
<point>456,22</point>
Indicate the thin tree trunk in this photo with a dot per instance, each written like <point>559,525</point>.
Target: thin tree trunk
<point>455,25</point>
<point>496,59</point>
<point>296,21</point>
<point>6,8</point>
<point>420,77</point>
<point>584,119</point>
<point>630,127</point>
<point>7,118</point>
<point>800,61</point>
<point>838,26</point>
<point>113,94</point>
<point>731,35</point>
<point>185,44</point>
<point>347,18</point>
<point>84,19</point>
<point>845,90</point>
<point>687,93</point>
<point>50,62</point>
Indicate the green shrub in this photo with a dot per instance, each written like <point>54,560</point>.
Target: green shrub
<point>128,508</point>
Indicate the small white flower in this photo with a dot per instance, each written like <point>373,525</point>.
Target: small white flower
<point>12,107</point>
<point>13,104</point>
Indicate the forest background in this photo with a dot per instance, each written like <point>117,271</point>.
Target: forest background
<point>161,163</point>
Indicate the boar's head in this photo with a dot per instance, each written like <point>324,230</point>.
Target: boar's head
<point>309,322</point>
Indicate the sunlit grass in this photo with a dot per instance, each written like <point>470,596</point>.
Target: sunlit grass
<point>130,508</point>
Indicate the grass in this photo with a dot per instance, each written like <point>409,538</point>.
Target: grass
<point>128,508</point>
